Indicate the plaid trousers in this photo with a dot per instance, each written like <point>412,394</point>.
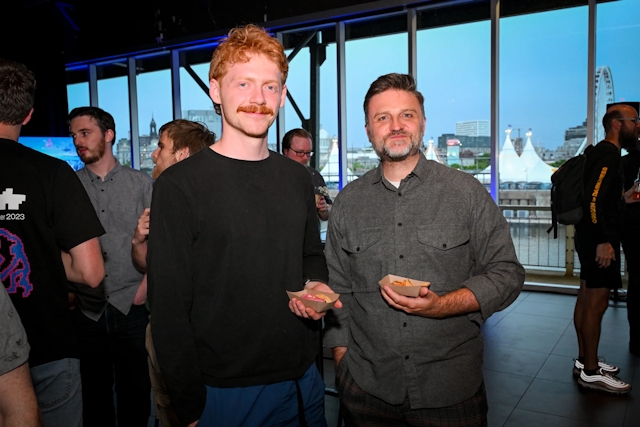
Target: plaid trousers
<point>359,408</point>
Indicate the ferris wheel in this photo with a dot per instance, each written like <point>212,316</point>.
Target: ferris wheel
<point>604,95</point>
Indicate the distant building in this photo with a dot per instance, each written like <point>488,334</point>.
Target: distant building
<point>123,152</point>
<point>573,139</point>
<point>209,118</point>
<point>148,144</point>
<point>473,128</point>
<point>453,152</point>
<point>477,144</point>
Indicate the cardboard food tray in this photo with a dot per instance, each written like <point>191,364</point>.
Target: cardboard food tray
<point>408,291</point>
<point>315,305</point>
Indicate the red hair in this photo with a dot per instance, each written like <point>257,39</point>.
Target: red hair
<point>242,42</point>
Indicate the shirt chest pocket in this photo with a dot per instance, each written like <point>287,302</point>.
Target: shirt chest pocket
<point>365,252</point>
<point>445,238</point>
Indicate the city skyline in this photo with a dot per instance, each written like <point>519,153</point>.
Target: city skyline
<point>543,76</point>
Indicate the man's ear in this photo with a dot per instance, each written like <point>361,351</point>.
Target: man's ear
<point>284,95</point>
<point>214,91</point>
<point>182,153</point>
<point>28,118</point>
<point>109,136</point>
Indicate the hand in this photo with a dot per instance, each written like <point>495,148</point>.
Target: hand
<point>426,304</point>
<point>338,354</point>
<point>142,230</point>
<point>141,294</point>
<point>321,204</point>
<point>299,309</point>
<point>193,424</point>
<point>628,195</point>
<point>605,254</point>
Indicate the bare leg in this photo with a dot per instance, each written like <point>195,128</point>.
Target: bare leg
<point>577,316</point>
<point>592,308</point>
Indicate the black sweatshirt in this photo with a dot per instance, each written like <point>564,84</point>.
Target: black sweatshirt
<point>228,238</point>
<point>603,199</point>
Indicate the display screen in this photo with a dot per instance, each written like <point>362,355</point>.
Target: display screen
<point>60,147</point>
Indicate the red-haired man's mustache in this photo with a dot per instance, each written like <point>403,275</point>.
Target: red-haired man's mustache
<point>260,109</point>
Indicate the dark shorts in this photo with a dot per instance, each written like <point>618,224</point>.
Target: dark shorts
<point>590,271</point>
<point>359,408</point>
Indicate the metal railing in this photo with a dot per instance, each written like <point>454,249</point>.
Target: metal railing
<point>535,247</point>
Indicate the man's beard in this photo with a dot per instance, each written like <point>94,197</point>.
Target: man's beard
<point>90,157</point>
<point>385,154</point>
<point>628,140</point>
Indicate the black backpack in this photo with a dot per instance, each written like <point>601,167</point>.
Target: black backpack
<point>567,192</point>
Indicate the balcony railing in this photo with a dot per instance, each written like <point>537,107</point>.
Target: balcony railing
<point>538,249</point>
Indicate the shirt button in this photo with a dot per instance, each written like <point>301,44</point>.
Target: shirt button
<point>102,210</point>
<point>401,256</point>
<point>444,245</point>
<point>358,249</point>
<point>104,253</point>
<point>399,194</point>
<point>101,190</point>
<point>404,324</point>
<point>399,224</point>
<point>406,358</point>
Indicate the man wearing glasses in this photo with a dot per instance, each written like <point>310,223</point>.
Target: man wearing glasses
<point>598,245</point>
<point>296,145</point>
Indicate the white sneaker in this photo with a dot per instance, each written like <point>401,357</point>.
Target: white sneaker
<point>603,381</point>
<point>610,369</point>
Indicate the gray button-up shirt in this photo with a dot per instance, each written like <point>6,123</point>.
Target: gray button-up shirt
<point>119,200</point>
<point>440,226</point>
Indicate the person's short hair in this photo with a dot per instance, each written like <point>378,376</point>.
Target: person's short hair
<point>393,81</point>
<point>242,42</point>
<point>103,119</point>
<point>299,132</point>
<point>185,133</point>
<point>609,117</point>
<point>17,92</point>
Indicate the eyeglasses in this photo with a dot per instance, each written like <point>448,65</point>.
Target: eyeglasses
<point>302,153</point>
<point>636,120</point>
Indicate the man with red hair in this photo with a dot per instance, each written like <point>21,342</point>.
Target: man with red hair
<point>234,228</point>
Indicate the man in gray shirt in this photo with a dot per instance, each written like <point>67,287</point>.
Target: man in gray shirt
<point>111,319</point>
<point>400,357</point>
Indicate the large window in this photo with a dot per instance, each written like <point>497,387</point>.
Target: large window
<point>617,65</point>
<point>77,88</point>
<point>113,97</point>
<point>454,75</point>
<point>194,89</point>
<point>543,91</point>
<point>373,48</point>
<point>154,104</point>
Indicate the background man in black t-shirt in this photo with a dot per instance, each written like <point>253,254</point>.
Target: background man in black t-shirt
<point>598,246</point>
<point>48,234</point>
<point>296,145</point>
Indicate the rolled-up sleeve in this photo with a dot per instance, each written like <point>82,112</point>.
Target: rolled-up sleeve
<point>498,276</point>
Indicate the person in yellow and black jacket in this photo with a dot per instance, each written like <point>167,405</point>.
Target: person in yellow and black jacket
<point>598,246</point>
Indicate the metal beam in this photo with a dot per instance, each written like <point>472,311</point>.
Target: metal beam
<point>342,102</point>
<point>280,129</point>
<point>176,99</point>
<point>495,100</point>
<point>412,30</point>
<point>133,112</point>
<point>196,78</point>
<point>591,75</point>
<point>301,45</point>
<point>316,58</point>
<point>93,85</point>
